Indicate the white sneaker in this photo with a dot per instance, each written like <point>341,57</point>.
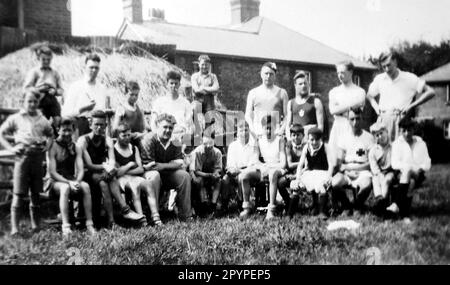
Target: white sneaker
<point>172,198</point>
<point>270,215</point>
<point>91,230</point>
<point>66,231</point>
<point>407,221</point>
<point>393,208</point>
<point>131,215</point>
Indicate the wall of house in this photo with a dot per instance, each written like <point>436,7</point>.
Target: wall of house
<point>238,76</point>
<point>48,16</point>
<point>433,114</point>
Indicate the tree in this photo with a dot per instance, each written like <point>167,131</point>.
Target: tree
<point>420,57</point>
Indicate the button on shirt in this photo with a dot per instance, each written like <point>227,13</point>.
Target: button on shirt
<point>240,156</point>
<point>27,129</point>
<point>80,94</point>
<point>415,155</point>
<point>397,93</point>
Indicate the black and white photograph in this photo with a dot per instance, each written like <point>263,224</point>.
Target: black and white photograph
<point>244,134</point>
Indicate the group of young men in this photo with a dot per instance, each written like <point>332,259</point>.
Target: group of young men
<point>280,145</point>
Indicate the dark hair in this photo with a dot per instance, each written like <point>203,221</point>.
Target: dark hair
<point>68,121</point>
<point>99,114</point>
<point>92,56</point>
<point>44,50</point>
<point>174,75</point>
<point>131,85</point>
<point>122,128</point>
<point>297,128</point>
<point>356,110</point>
<point>271,65</point>
<point>300,74</point>
<point>406,123</point>
<point>166,117</point>
<point>393,55</point>
<point>209,133</point>
<point>348,65</point>
<point>30,92</point>
<point>316,133</point>
<point>204,57</point>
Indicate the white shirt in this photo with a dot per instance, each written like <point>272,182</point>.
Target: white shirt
<point>270,151</point>
<point>80,94</point>
<point>240,155</point>
<point>180,108</point>
<point>415,156</point>
<point>349,96</point>
<point>396,94</point>
<point>356,148</point>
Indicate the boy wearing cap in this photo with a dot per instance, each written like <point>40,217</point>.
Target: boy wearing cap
<point>304,109</point>
<point>410,157</point>
<point>32,137</point>
<point>314,173</point>
<point>267,99</point>
<point>380,165</point>
<point>205,85</point>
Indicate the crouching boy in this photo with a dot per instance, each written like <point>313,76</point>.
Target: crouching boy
<point>65,165</point>
<point>32,136</point>
<point>314,173</point>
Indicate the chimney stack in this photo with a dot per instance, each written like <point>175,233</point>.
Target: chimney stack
<point>132,10</point>
<point>243,10</point>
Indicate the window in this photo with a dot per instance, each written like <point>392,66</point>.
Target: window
<point>308,74</point>
<point>447,130</point>
<point>357,80</point>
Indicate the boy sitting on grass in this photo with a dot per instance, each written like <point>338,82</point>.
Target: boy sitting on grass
<point>66,169</point>
<point>410,158</point>
<point>129,171</point>
<point>314,173</point>
<point>98,154</point>
<point>206,172</point>
<point>381,167</point>
<point>32,137</point>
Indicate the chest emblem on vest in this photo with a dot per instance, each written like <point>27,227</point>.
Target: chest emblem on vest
<point>302,113</point>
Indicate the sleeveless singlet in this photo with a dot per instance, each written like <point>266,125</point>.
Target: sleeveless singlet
<point>318,161</point>
<point>304,114</point>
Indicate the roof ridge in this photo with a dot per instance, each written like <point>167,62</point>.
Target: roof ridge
<point>429,73</point>
<point>195,26</point>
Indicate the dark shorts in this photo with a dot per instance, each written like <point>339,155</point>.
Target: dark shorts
<point>50,106</point>
<point>206,101</point>
<point>28,174</point>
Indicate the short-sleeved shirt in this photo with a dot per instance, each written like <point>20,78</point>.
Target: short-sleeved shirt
<point>267,102</point>
<point>204,80</point>
<point>152,150</point>
<point>80,94</point>
<point>356,148</point>
<point>27,129</point>
<point>180,108</point>
<point>397,93</point>
<point>240,156</point>
<point>208,162</point>
<point>39,76</point>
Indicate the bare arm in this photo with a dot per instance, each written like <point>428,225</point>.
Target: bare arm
<point>282,149</point>
<point>249,114</point>
<point>330,160</point>
<point>215,87</point>
<point>426,96</point>
<point>319,113</point>
<point>30,81</point>
<point>301,164</point>
<point>79,165</point>
<point>282,129</point>
<point>52,167</point>
<point>289,119</point>
<point>87,158</point>
<point>139,170</point>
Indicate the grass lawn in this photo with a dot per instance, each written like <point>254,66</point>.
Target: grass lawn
<point>228,241</point>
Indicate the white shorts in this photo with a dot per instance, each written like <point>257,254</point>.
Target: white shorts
<point>353,177</point>
<point>315,180</point>
<point>129,181</point>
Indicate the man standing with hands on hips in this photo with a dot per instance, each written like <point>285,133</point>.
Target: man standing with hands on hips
<point>400,93</point>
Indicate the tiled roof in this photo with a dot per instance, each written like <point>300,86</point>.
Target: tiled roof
<point>258,38</point>
<point>439,74</point>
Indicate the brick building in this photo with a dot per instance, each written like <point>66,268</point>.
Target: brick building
<point>239,49</point>
<point>44,16</point>
<point>436,114</point>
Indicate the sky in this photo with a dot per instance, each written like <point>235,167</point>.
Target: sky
<point>357,27</point>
